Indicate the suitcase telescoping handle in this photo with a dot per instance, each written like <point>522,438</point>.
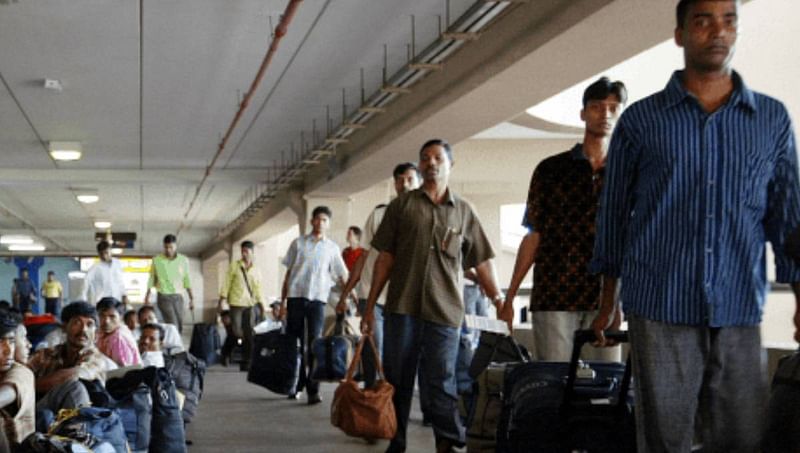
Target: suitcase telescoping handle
<point>587,336</point>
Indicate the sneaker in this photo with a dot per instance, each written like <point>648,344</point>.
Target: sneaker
<point>226,360</point>
<point>294,396</point>
<point>314,399</point>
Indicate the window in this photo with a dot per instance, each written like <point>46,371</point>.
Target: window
<point>511,229</point>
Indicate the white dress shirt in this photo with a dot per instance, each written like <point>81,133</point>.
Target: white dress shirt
<point>104,280</point>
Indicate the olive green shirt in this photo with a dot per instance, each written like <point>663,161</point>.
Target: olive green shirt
<point>432,245</point>
<point>235,286</point>
<point>170,276</point>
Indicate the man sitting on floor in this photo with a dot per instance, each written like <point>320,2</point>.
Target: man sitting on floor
<point>150,345</point>
<point>172,342</point>
<point>17,394</point>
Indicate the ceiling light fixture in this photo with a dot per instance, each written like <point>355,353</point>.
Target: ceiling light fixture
<point>26,248</point>
<point>102,224</point>
<point>16,239</point>
<point>87,198</point>
<point>66,151</point>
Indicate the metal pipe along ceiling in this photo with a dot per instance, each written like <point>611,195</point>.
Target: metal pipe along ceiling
<point>280,31</point>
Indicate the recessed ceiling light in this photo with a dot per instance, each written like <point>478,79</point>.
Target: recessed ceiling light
<point>88,198</point>
<point>116,251</point>
<point>26,248</point>
<point>17,239</point>
<point>101,224</point>
<point>65,151</point>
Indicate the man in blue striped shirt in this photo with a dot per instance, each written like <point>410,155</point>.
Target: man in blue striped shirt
<point>699,177</point>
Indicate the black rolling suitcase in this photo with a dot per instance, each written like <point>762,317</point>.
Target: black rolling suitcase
<point>275,363</point>
<point>783,417</point>
<point>206,343</point>
<point>562,407</point>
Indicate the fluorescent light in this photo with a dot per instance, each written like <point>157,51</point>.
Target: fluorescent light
<point>26,248</point>
<point>116,251</point>
<point>101,224</point>
<point>65,151</point>
<point>88,198</point>
<point>18,239</point>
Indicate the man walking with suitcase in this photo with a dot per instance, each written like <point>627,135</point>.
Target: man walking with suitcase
<point>314,265</point>
<point>699,176</point>
<point>427,238</point>
<point>560,217</point>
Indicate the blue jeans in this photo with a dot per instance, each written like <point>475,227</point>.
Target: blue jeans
<point>367,357</point>
<point>475,303</point>
<point>304,320</point>
<point>408,339</point>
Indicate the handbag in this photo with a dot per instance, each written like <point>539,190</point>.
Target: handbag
<point>368,412</point>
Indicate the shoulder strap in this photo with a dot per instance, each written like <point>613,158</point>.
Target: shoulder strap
<point>246,281</point>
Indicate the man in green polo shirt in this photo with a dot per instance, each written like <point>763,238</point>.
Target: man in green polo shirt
<point>169,275</point>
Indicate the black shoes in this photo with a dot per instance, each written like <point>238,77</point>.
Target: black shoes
<point>314,399</point>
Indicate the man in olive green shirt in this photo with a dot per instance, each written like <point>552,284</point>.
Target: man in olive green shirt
<point>242,290</point>
<point>427,238</point>
<point>168,274</point>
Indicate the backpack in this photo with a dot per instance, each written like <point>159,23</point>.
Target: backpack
<point>167,434</point>
<point>486,408</point>
<point>135,409</point>
<point>188,372</point>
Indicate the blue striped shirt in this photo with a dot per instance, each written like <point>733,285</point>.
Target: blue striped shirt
<point>689,201</point>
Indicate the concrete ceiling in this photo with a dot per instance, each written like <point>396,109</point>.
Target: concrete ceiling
<point>196,58</point>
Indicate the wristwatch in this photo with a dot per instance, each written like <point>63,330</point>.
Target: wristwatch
<point>498,298</point>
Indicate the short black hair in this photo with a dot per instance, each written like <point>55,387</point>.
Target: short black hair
<point>438,142</point>
<point>24,269</point>
<point>128,314</point>
<point>321,210</point>
<point>102,246</point>
<point>51,273</point>
<point>78,308</point>
<point>144,309</point>
<point>8,322</point>
<point>603,88</point>
<point>356,230</point>
<point>248,245</point>
<point>682,10</point>
<point>170,239</point>
<point>109,303</point>
<point>160,329</point>
<point>402,168</point>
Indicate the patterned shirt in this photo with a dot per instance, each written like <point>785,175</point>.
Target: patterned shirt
<point>314,265</point>
<point>47,361</point>
<point>432,245</point>
<point>18,418</point>
<point>691,198</point>
<point>562,205</point>
<point>242,291</point>
<point>170,276</point>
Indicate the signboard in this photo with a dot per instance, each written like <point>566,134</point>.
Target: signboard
<point>118,240</point>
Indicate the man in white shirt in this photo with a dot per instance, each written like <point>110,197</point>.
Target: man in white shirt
<point>171,341</point>
<point>104,278</point>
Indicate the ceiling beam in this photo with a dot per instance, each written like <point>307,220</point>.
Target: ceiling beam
<point>83,177</point>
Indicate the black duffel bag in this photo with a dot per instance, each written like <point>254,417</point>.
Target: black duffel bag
<point>494,347</point>
<point>275,362</point>
<point>206,343</point>
<point>783,418</point>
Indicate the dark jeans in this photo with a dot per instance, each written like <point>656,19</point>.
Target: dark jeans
<point>242,327</point>
<point>407,340</point>
<point>304,320</point>
<point>53,305</point>
<point>367,357</point>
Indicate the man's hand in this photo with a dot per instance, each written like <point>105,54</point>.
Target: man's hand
<point>283,311</point>
<point>507,315</point>
<point>606,319</point>
<point>341,307</point>
<point>191,304</point>
<point>367,322</point>
<point>147,297</point>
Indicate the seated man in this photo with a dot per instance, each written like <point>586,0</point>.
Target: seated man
<point>58,369</point>
<point>17,394</point>
<point>114,339</point>
<point>130,320</point>
<point>172,343</point>
<point>150,345</point>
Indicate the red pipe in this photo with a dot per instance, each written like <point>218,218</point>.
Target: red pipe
<point>280,31</point>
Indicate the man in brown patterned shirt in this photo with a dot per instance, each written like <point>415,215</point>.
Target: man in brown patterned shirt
<point>17,396</point>
<point>560,217</point>
<point>57,370</point>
